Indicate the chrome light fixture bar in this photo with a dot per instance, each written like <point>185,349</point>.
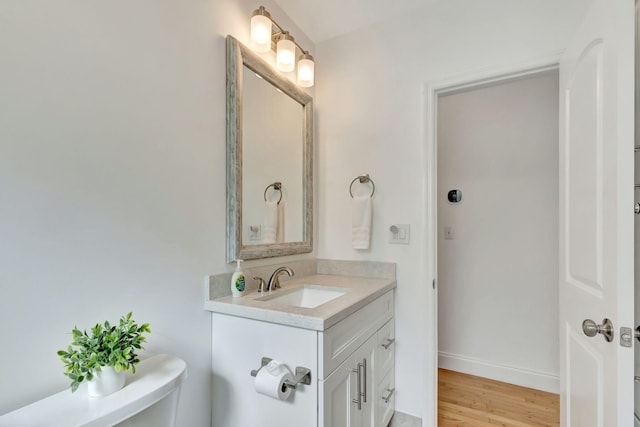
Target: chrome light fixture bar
<point>264,37</point>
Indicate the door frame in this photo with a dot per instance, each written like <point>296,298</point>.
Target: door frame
<point>431,91</point>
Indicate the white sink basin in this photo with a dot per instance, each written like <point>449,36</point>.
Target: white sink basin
<point>308,296</point>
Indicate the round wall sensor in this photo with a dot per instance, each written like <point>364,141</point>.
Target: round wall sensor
<point>454,196</point>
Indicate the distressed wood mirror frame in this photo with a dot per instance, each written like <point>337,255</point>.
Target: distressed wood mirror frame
<point>238,57</point>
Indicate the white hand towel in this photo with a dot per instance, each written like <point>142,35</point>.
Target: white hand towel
<point>280,223</point>
<point>270,227</point>
<point>361,222</point>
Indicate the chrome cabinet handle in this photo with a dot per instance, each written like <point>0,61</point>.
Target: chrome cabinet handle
<point>388,343</point>
<point>358,401</point>
<point>390,392</point>
<point>591,329</point>
<point>364,368</point>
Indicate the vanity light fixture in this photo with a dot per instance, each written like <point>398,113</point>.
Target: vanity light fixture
<point>264,37</point>
<point>305,70</point>
<point>285,53</point>
<point>261,30</point>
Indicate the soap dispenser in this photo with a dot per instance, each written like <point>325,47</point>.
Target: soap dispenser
<point>237,280</point>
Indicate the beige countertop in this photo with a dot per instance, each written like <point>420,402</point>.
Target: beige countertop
<point>360,292</point>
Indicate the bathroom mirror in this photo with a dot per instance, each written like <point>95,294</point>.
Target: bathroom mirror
<point>269,160</point>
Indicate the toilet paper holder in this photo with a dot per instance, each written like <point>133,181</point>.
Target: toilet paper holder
<point>302,376</point>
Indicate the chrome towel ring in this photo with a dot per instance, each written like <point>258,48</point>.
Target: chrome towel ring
<point>364,178</point>
<point>277,186</point>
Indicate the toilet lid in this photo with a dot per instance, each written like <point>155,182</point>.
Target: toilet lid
<point>155,378</point>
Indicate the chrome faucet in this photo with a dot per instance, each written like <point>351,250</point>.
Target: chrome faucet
<point>262,287</point>
<point>274,280</point>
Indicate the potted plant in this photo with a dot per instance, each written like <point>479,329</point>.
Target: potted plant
<point>102,356</point>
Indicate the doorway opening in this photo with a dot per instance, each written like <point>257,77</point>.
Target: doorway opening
<point>496,233</point>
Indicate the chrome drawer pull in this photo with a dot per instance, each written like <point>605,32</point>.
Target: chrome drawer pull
<point>388,343</point>
<point>390,392</point>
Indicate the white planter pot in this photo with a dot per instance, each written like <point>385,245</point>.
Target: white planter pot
<point>105,382</point>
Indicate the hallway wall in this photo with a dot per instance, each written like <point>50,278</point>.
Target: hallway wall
<point>498,269</point>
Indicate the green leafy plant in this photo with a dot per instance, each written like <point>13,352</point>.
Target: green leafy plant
<point>107,345</point>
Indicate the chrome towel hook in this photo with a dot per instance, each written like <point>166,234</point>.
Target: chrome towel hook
<point>277,186</point>
<point>364,178</point>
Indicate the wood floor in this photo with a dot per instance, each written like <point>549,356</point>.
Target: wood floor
<point>465,400</point>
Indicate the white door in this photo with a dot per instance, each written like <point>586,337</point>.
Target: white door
<point>596,216</point>
<point>336,393</point>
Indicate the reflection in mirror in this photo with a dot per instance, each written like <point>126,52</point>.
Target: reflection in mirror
<point>272,147</point>
<point>269,160</point>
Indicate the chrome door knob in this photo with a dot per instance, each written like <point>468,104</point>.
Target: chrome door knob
<point>591,329</point>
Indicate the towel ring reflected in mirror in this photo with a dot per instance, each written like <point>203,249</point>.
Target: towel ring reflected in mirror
<point>277,186</point>
<point>364,178</point>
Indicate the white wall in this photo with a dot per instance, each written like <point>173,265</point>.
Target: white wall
<point>498,274</point>
<point>371,118</point>
<point>112,171</point>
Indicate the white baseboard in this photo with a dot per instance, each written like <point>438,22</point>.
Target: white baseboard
<point>518,376</point>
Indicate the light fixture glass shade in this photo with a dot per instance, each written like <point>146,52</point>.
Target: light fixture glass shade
<point>261,30</point>
<point>306,70</point>
<point>286,53</point>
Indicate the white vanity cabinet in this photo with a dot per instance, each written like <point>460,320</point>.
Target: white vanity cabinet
<point>336,356</point>
<point>352,394</point>
<point>360,392</point>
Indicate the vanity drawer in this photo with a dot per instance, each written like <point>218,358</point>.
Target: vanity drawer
<point>342,339</point>
<point>386,398</point>
<point>386,346</point>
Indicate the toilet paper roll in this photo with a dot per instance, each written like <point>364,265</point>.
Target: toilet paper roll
<point>270,380</point>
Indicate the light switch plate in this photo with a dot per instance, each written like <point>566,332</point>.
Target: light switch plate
<point>399,234</point>
<point>255,233</point>
<point>448,233</point>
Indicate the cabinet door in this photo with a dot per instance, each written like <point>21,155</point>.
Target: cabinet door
<point>365,358</point>
<point>337,392</point>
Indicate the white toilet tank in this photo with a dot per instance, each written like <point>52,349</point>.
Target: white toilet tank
<point>149,398</point>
